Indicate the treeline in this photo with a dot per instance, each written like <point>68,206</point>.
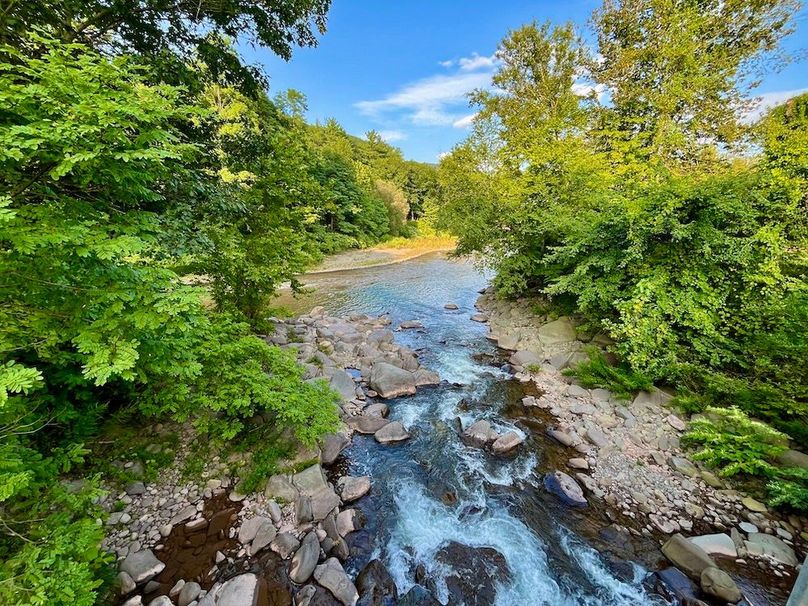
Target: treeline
<point>139,157</point>
<point>628,183</point>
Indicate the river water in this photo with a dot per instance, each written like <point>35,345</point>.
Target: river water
<point>433,491</point>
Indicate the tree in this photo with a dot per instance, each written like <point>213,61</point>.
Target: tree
<point>171,34</point>
<point>677,71</point>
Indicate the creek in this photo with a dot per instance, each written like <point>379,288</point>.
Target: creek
<point>470,526</point>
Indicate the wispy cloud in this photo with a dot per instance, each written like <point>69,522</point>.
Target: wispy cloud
<point>465,121</point>
<point>766,101</point>
<point>432,101</point>
<point>391,136</point>
<point>476,62</point>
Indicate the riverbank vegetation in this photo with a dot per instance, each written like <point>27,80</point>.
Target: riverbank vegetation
<point>139,149</point>
<point>633,183</point>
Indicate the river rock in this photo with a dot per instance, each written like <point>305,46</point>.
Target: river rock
<point>683,466</point>
<point>162,600</point>
<point>375,585</point>
<point>418,596</point>
<point>565,487</point>
<point>676,423</point>
<point>189,592</point>
<point>353,488</point>
<point>578,463</point>
<point>249,528</point>
<point>332,576</point>
<point>793,458</point>
<point>347,522</point>
<point>322,503</point>
<point>367,425</point>
<point>124,583</point>
<point>768,545</point>
<point>475,573</point>
<point>450,306</point>
<point>409,324</point>
<point>506,442</point>
<point>424,376</point>
<point>597,437</point>
<point>390,381</point>
<point>142,566</point>
<point>753,505</point>
<point>561,437</point>
<point>241,590</point>
<point>378,409</point>
<point>687,556</point>
<point>557,331</point>
<point>284,544</point>
<point>310,480</point>
<point>479,433</point>
<point>479,318</point>
<point>391,433</point>
<point>266,533</point>
<point>718,584</point>
<point>305,559</point>
<point>720,544</point>
<point>343,384</point>
<point>748,527</point>
<point>678,586</point>
<point>136,600</point>
<point>280,488</point>
<point>526,358</point>
<point>135,489</point>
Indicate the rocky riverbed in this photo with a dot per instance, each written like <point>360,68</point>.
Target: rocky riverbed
<point>301,541</point>
<point>627,453</point>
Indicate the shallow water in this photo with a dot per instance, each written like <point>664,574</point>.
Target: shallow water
<point>433,490</point>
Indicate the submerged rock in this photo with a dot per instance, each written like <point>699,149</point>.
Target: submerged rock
<point>718,584</point>
<point>565,487</point>
<point>479,433</point>
<point>375,585</point>
<point>506,443</point>
<point>475,573</point>
<point>687,556</point>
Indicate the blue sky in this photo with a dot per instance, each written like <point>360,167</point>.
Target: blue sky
<point>404,68</point>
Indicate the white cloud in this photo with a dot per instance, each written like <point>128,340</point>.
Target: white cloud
<point>430,101</point>
<point>392,135</point>
<point>447,63</point>
<point>465,121</point>
<point>476,62</point>
<point>766,101</point>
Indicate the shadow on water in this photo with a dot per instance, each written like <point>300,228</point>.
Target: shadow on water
<point>439,506</point>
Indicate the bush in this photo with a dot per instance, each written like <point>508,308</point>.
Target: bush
<point>790,489</point>
<point>598,372</point>
<point>729,440</point>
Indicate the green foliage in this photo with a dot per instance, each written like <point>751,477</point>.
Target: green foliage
<point>621,380</point>
<point>693,259</point>
<point>728,439</point>
<point>790,489</point>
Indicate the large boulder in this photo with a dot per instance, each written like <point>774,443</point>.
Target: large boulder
<point>565,487</point>
<point>142,566</point>
<point>280,488</point>
<point>305,559</point>
<point>250,527</point>
<point>367,425</point>
<point>353,488</point>
<point>343,384</point>
<point>794,458</point>
<point>418,596</point>
<point>391,433</point>
<point>332,445</point>
<point>241,590</point>
<point>332,576</point>
<point>390,381</point>
<point>768,545</point>
<point>479,433</point>
<point>687,556</point>
<point>375,585</point>
<point>310,480</point>
<point>557,331</point>
<point>506,443</point>
<point>720,544</point>
<point>526,358</point>
<point>718,584</point>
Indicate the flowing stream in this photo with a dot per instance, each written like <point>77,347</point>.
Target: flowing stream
<point>432,491</point>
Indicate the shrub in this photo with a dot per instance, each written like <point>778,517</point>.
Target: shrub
<point>598,372</point>
<point>728,439</point>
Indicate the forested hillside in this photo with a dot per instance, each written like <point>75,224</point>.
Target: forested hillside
<point>630,184</point>
<point>141,156</point>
